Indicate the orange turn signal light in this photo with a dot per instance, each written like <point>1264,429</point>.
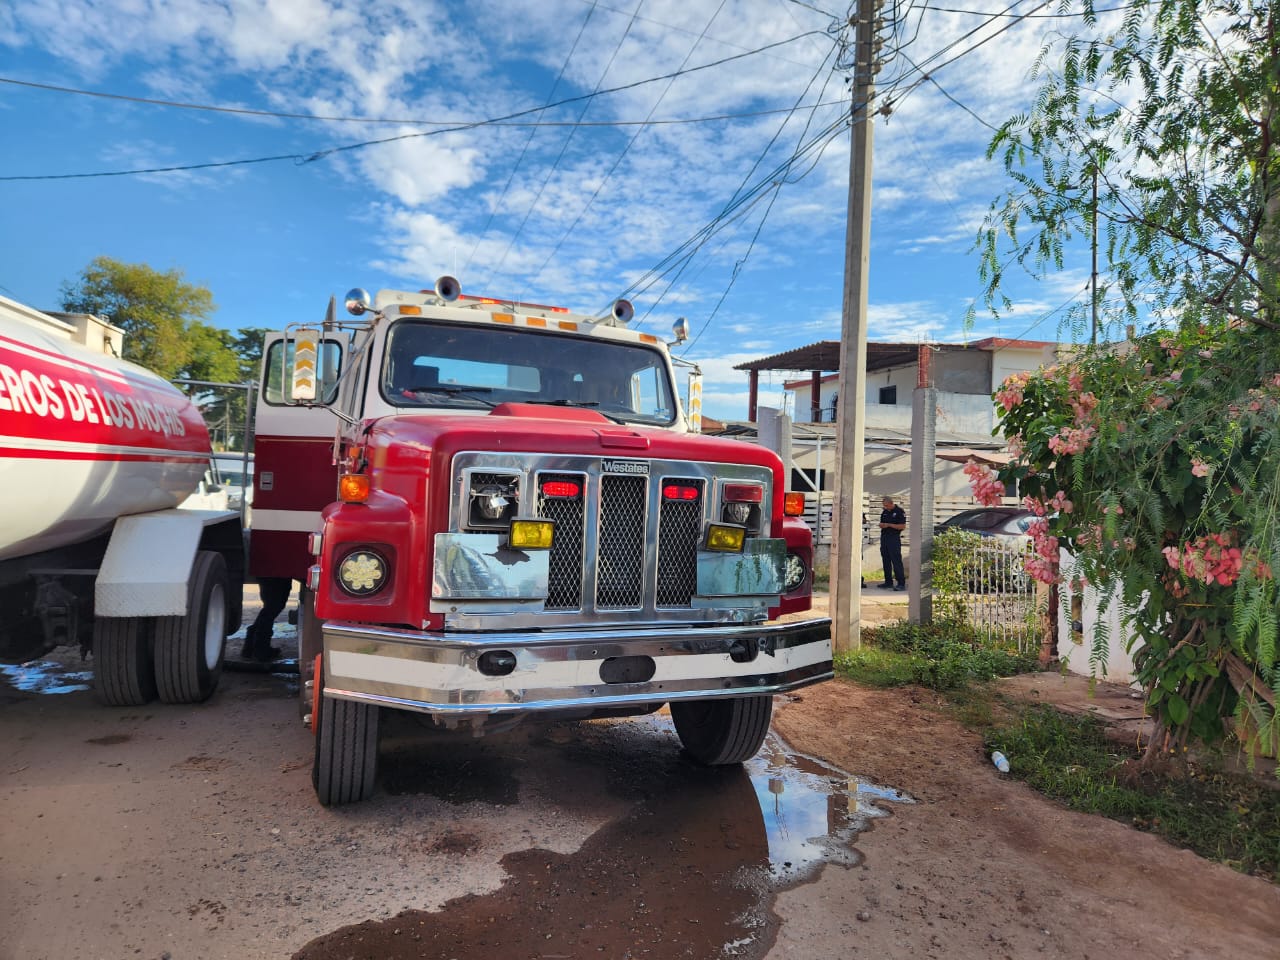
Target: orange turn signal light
<point>353,488</point>
<point>793,504</point>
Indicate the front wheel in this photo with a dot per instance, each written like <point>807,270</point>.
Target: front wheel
<point>721,732</point>
<point>346,757</point>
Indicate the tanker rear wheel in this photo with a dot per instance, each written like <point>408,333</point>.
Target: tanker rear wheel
<point>189,650</point>
<point>122,670</point>
<point>718,732</point>
<point>346,758</point>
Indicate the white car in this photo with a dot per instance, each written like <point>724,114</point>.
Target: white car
<point>236,475</point>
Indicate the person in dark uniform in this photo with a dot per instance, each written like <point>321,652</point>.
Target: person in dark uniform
<point>257,639</point>
<point>892,522</point>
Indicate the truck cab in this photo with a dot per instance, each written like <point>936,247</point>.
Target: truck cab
<point>520,524</point>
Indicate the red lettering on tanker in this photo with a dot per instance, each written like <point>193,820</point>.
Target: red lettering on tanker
<point>46,395</point>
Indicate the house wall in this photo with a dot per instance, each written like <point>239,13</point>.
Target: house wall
<point>1074,647</point>
<point>904,378</point>
<point>967,371</point>
<point>1010,360</point>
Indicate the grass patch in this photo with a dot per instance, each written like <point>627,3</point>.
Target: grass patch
<point>822,576</point>
<point>1232,819</point>
<point>941,656</point>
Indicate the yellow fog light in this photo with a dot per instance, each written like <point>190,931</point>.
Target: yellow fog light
<point>362,572</point>
<point>532,534</point>
<point>725,539</point>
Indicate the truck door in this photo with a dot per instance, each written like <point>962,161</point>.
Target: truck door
<point>294,476</point>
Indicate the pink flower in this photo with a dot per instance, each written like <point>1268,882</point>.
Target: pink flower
<point>1199,468</point>
<point>987,487</point>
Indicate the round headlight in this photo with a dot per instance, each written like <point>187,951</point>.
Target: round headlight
<point>738,513</point>
<point>362,572</point>
<point>794,574</point>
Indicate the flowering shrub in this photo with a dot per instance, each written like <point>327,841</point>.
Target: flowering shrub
<point>1157,468</point>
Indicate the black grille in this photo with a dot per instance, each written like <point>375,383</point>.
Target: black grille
<point>620,563</point>
<point>679,531</point>
<point>564,581</point>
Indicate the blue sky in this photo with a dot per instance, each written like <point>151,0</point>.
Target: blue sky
<point>596,200</point>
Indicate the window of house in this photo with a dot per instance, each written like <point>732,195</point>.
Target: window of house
<point>889,394</point>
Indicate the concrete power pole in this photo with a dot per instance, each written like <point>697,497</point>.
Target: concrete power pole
<point>846,549</point>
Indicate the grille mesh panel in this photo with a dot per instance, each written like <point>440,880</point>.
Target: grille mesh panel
<point>564,581</point>
<point>679,530</point>
<point>620,563</point>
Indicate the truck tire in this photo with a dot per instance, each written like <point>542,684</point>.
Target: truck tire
<point>189,650</point>
<point>719,732</point>
<point>346,759</point>
<point>122,671</point>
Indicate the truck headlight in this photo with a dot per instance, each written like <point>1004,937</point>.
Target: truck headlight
<point>794,573</point>
<point>362,573</point>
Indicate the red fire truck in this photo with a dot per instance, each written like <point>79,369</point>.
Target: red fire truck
<point>498,512</point>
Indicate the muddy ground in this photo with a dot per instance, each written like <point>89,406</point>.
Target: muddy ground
<point>870,827</point>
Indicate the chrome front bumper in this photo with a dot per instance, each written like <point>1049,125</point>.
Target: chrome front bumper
<point>567,669</point>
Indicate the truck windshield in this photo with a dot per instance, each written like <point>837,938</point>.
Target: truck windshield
<point>465,366</point>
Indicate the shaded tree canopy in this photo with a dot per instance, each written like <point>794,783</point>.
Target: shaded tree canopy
<point>163,317</point>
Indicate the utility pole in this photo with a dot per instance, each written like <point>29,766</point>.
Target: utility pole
<point>846,547</point>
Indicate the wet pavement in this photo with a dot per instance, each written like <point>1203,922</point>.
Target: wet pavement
<point>690,870</point>
<point>675,860</point>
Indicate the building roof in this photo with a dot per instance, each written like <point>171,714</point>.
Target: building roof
<point>825,354</point>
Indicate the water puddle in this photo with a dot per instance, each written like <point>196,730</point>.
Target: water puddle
<point>812,811</point>
<point>690,871</point>
<point>46,676</point>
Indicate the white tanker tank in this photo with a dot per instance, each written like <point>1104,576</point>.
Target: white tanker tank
<point>95,455</point>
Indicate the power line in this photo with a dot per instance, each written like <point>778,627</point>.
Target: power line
<point>778,185</point>
<point>403,121</point>
<point>625,150</point>
<point>528,141</point>
<point>470,125</point>
<point>1039,16</point>
<point>564,147</point>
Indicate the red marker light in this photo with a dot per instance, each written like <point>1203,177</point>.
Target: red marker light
<point>562,489</point>
<point>743,493</point>
<point>679,491</point>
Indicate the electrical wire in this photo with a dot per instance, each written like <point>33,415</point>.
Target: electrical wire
<point>755,166</point>
<point>469,125</point>
<point>506,187</point>
<point>563,149</point>
<point>626,148</point>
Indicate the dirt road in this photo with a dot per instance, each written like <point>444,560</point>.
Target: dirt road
<point>193,832</point>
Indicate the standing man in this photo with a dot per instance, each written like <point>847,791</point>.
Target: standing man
<point>892,522</point>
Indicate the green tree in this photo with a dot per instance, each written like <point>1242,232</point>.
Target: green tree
<point>163,316</point>
<point>1156,464</point>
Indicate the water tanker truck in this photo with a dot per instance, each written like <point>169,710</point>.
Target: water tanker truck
<point>96,454</point>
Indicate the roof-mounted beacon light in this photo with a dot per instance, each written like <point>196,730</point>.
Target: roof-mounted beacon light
<point>622,311</point>
<point>448,289</point>
<point>358,302</point>
<point>681,329</point>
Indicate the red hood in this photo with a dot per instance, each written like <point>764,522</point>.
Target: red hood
<point>537,428</point>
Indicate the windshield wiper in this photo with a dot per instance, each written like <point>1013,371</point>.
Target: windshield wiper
<point>590,404</point>
<point>469,393</point>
